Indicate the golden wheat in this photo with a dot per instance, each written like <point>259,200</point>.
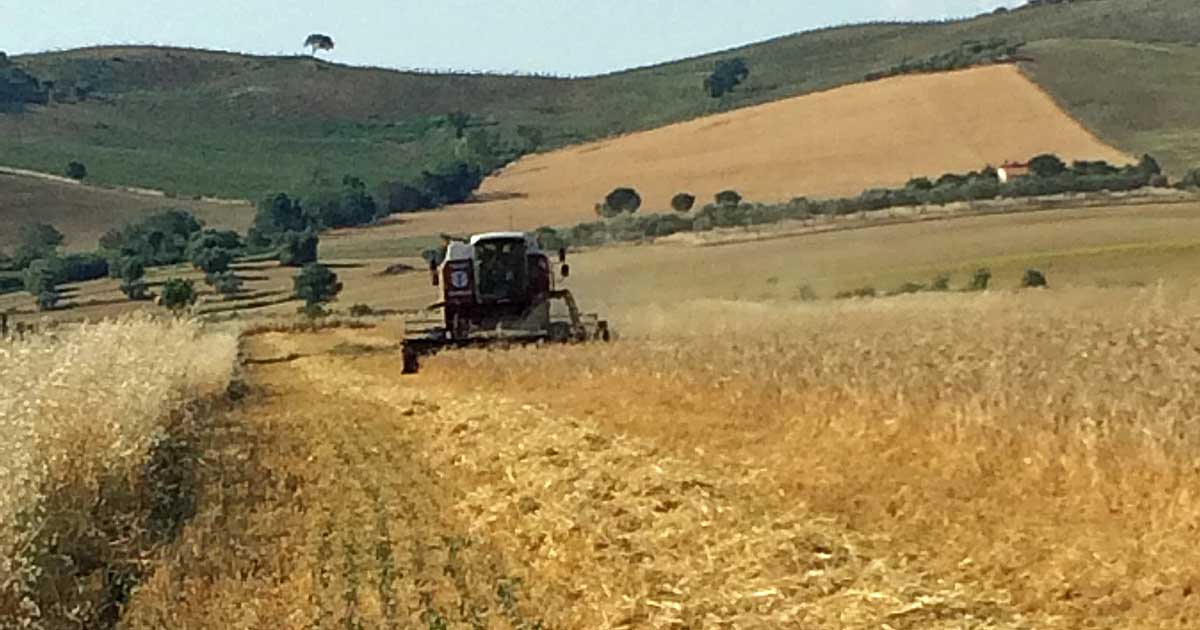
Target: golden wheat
<point>79,409</point>
<point>1041,443</point>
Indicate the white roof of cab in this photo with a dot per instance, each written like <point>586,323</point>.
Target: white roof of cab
<point>487,236</point>
<point>531,242</point>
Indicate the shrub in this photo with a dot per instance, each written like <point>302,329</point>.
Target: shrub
<point>702,224</point>
<point>550,239</point>
<point>806,293</point>
<point>36,240</point>
<point>726,75</point>
<point>1191,179</point>
<point>277,216</point>
<point>297,249</point>
<point>1047,165</point>
<point>619,201</point>
<point>728,198</point>
<point>316,285</point>
<point>361,310</point>
<point>132,272</point>
<point>159,239</point>
<point>1033,279</point>
<point>41,281</point>
<point>940,283</point>
<point>212,260</point>
<point>862,292</point>
<point>980,280</point>
<point>909,287</point>
<point>350,206</point>
<point>683,202</point>
<point>178,294</point>
<point>76,171</point>
<point>226,283</point>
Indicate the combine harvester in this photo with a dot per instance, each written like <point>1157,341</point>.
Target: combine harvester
<point>498,289</point>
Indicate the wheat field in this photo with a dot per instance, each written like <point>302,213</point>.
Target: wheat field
<point>1039,444</point>
<point>91,419</point>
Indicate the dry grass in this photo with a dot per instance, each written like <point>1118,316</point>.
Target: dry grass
<point>346,497</point>
<point>1040,444</point>
<point>91,420</point>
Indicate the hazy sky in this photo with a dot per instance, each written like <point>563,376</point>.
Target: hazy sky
<point>552,36</point>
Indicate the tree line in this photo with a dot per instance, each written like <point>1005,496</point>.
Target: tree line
<point>619,219</point>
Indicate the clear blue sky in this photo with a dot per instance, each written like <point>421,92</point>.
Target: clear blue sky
<point>571,37</point>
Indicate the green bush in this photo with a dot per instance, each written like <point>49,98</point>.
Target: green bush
<point>159,239</point>
<point>41,279</point>
<point>620,201</point>
<point>297,249</point>
<point>1033,279</point>
<point>980,280</point>
<point>316,285</point>
<point>550,239</point>
<point>702,224</point>
<point>728,198</point>
<point>132,272</point>
<point>726,75</point>
<point>76,170</point>
<point>1191,180</point>
<point>683,202</point>
<point>178,294</point>
<point>34,241</point>
<point>1047,165</point>
<point>226,283</point>
<point>212,260</point>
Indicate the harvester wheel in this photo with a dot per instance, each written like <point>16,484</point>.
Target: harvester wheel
<point>411,360</point>
<point>602,332</point>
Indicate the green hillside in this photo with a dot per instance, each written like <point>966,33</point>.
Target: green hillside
<point>197,122</point>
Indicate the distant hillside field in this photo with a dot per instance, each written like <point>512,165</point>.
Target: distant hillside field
<point>191,122</point>
<point>229,125</point>
<point>84,213</point>
<point>830,144</point>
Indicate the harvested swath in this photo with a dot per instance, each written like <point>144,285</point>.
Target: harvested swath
<point>1042,442</point>
<point>609,532</point>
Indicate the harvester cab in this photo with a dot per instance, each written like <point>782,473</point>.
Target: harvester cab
<point>498,288</point>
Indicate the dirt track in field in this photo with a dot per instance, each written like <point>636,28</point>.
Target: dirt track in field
<point>348,496</point>
<point>833,143</point>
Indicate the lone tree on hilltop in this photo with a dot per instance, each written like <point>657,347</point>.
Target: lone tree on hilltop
<point>318,41</point>
<point>727,74</point>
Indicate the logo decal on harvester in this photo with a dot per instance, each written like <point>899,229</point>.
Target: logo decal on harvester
<point>459,279</point>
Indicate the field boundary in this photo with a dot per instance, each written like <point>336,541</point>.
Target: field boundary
<point>887,218</point>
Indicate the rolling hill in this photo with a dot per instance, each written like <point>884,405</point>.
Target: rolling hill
<point>84,213</point>
<point>228,125</point>
<point>821,145</point>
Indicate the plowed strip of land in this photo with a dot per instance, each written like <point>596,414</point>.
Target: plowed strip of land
<point>833,143</point>
<point>348,497</point>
